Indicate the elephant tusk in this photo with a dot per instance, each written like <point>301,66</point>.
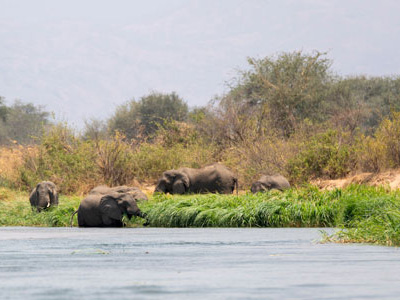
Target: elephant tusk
<point>48,204</point>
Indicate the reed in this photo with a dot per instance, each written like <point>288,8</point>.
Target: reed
<point>364,214</point>
<point>271,209</point>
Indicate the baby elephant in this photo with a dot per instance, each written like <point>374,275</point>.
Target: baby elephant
<point>98,210</point>
<point>44,195</point>
<point>137,194</point>
<point>267,182</point>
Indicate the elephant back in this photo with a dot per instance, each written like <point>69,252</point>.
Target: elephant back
<point>269,182</point>
<point>123,189</point>
<point>215,178</point>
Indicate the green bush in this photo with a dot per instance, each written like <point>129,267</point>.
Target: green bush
<point>64,159</point>
<point>76,165</point>
<point>329,154</point>
<point>382,150</point>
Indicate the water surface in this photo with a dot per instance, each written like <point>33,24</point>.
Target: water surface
<point>216,263</point>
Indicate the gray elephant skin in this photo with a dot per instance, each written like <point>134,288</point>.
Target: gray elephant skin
<point>137,194</point>
<point>267,182</point>
<point>214,178</point>
<point>98,210</point>
<point>44,195</point>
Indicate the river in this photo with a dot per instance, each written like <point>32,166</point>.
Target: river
<point>193,263</point>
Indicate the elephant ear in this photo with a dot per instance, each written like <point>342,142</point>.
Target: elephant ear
<point>53,194</point>
<point>33,197</point>
<point>170,175</point>
<point>109,207</point>
<point>181,183</point>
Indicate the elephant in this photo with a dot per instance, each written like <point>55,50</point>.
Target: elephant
<point>99,210</point>
<point>267,182</point>
<point>44,195</point>
<point>215,178</point>
<point>137,194</point>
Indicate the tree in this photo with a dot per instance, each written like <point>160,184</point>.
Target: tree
<point>24,122</point>
<point>363,102</point>
<point>285,89</point>
<point>138,119</point>
<point>95,130</point>
<point>3,110</point>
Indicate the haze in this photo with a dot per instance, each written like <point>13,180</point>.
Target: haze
<point>81,59</point>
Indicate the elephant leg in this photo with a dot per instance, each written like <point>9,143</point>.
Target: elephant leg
<point>81,220</point>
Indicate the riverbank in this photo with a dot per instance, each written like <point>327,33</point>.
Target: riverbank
<point>366,214</point>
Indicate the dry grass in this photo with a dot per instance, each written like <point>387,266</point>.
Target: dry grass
<point>11,159</point>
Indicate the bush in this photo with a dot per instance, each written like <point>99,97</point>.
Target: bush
<point>76,165</point>
<point>64,159</point>
<point>140,119</point>
<point>388,134</point>
<point>381,151</point>
<point>329,154</point>
<point>115,160</point>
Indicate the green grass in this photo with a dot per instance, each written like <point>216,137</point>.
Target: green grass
<point>15,210</point>
<point>364,214</point>
<point>274,209</point>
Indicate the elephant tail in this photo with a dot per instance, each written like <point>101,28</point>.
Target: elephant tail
<point>72,218</point>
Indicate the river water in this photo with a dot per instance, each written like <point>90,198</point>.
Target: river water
<point>216,263</point>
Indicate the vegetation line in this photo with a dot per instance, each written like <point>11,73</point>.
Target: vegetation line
<point>366,214</point>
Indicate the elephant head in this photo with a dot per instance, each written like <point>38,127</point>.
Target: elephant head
<point>115,205</point>
<point>258,187</point>
<point>44,195</point>
<point>173,182</point>
<point>267,182</point>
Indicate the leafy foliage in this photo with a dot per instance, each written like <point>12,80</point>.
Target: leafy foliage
<point>3,110</point>
<point>328,154</point>
<point>142,118</point>
<point>64,159</point>
<point>21,123</point>
<point>285,90</point>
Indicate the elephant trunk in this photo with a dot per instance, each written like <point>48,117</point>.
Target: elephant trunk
<point>160,188</point>
<point>44,199</point>
<point>255,187</point>
<point>135,212</point>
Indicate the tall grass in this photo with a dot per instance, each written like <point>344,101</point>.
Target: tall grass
<point>365,214</point>
<point>271,209</point>
<point>15,210</point>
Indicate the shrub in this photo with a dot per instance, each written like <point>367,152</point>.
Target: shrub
<point>64,159</point>
<point>115,160</point>
<point>329,154</point>
<point>388,133</point>
<point>381,151</point>
<point>11,160</point>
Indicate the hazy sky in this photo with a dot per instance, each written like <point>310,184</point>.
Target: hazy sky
<point>83,58</point>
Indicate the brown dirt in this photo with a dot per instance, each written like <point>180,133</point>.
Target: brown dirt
<point>388,178</point>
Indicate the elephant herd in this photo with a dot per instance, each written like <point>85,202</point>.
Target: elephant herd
<point>105,206</point>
